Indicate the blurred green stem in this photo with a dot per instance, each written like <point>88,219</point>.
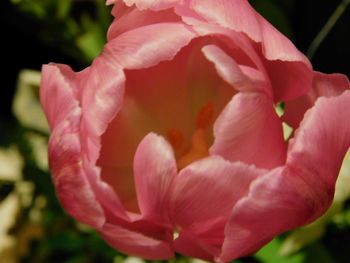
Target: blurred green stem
<point>327,28</point>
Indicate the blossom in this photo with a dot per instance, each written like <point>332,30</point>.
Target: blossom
<point>170,142</point>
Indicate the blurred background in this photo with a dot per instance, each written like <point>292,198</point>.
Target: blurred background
<point>33,227</point>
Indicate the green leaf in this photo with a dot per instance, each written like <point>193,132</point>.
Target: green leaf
<point>64,7</point>
<point>92,41</point>
<point>270,254</point>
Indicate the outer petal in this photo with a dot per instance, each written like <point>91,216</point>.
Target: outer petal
<point>289,80</point>
<point>276,202</point>
<point>153,4</point>
<point>58,97</point>
<point>296,194</point>
<point>108,199</point>
<point>78,118</point>
<point>324,85</point>
<point>323,138</point>
<point>289,70</point>
<point>208,189</point>
<point>147,46</point>
<point>202,198</point>
<point>202,240</point>
<point>135,243</point>
<point>130,18</point>
<point>239,16</point>
<point>249,130</point>
<point>56,83</point>
<point>101,91</point>
<point>154,170</point>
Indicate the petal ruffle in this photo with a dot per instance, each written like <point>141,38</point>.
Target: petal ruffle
<point>128,18</point>
<point>153,4</point>
<point>58,82</point>
<point>148,45</point>
<point>250,131</point>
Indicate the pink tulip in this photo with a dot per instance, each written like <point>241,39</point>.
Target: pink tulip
<point>169,142</point>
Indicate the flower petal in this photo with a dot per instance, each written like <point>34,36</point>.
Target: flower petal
<point>154,171</point>
<point>277,202</point>
<point>208,189</point>
<point>153,4</point>
<point>300,191</point>
<point>135,243</point>
<point>58,96</point>
<point>324,85</point>
<point>82,204</point>
<point>239,16</point>
<point>148,45</point>
<point>103,94</point>
<point>202,240</point>
<point>290,71</point>
<point>56,83</point>
<point>323,138</point>
<point>226,67</point>
<point>250,131</point>
<point>289,80</point>
<point>128,18</point>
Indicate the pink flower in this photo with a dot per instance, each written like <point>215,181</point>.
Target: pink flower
<point>169,142</point>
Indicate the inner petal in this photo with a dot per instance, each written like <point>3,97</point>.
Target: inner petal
<point>177,99</point>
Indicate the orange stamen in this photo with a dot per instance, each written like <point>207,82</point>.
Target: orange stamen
<point>175,138</point>
<point>198,149</point>
<point>205,116</point>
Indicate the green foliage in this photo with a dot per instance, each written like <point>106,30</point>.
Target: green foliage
<point>76,28</point>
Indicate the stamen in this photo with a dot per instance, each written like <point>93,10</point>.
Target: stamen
<point>176,139</point>
<point>198,149</point>
<point>205,116</point>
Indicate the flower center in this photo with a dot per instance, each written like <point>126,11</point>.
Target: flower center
<point>198,147</point>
